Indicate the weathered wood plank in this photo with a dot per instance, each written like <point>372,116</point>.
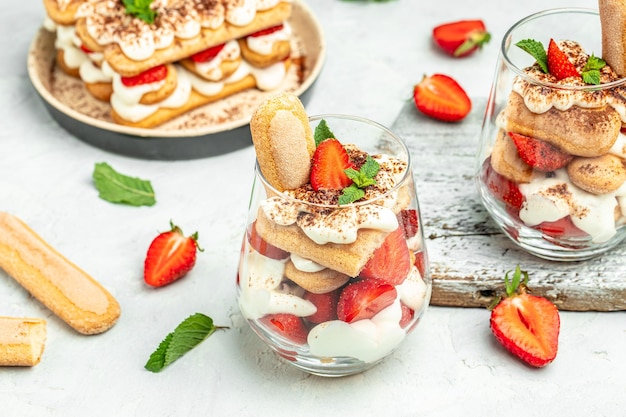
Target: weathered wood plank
<point>469,254</point>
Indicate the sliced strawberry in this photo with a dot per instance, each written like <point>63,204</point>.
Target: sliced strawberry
<point>329,162</point>
<point>560,228</point>
<point>287,325</point>
<point>154,74</point>
<point>208,54</point>
<point>558,63</point>
<point>441,97</point>
<point>267,31</point>
<point>407,316</point>
<point>171,256</point>
<point>261,246</point>
<point>85,49</point>
<point>408,220</point>
<point>364,299</point>
<point>420,263</point>
<point>461,38</point>
<point>326,306</point>
<point>539,154</point>
<point>526,325</point>
<point>503,188</point>
<point>391,262</point>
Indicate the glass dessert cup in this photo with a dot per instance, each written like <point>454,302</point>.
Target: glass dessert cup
<point>302,315</point>
<point>543,203</point>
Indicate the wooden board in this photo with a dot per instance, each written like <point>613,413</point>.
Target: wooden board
<point>469,254</point>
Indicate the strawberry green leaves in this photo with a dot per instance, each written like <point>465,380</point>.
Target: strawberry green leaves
<point>187,335</point>
<point>122,189</point>
<point>140,9</point>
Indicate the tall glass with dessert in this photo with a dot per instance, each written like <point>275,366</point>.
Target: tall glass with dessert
<point>334,272</point>
<point>551,163</point>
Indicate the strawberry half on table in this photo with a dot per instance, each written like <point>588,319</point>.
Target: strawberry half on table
<point>526,325</point>
<point>171,256</point>
<point>440,97</point>
<point>461,38</point>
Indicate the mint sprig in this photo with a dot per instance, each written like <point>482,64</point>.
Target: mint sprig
<point>536,50</point>
<point>322,132</point>
<point>591,71</point>
<point>122,189</point>
<point>187,335</point>
<point>360,179</point>
<point>140,9</point>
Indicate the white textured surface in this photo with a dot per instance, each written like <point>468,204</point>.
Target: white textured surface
<point>450,366</point>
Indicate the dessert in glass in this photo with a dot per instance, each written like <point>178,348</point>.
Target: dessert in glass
<point>550,167</point>
<point>334,273</point>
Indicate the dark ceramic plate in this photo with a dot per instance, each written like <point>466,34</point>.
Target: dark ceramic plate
<point>211,130</point>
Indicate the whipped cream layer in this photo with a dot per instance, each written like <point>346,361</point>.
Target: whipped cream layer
<point>550,198</point>
<point>264,44</point>
<point>108,22</point>
<point>540,98</point>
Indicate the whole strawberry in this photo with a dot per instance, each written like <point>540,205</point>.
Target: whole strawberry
<point>171,256</point>
<point>461,38</point>
<point>526,325</point>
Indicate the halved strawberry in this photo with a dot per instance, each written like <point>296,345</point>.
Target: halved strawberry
<point>208,54</point>
<point>558,63</point>
<point>420,263</point>
<point>461,38</point>
<point>539,154</point>
<point>503,188</point>
<point>526,325</point>
<point>329,162</point>
<point>391,262</point>
<point>408,220</point>
<point>267,31</point>
<point>171,256</point>
<point>364,299</point>
<point>326,306</point>
<point>441,97</point>
<point>289,326</point>
<point>261,246</point>
<point>152,75</point>
<point>85,49</point>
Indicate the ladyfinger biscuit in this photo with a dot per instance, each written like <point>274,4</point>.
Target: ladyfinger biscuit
<point>280,50</point>
<point>506,161</point>
<point>599,175</point>
<point>577,131</point>
<point>613,22</point>
<point>319,282</point>
<point>168,88</point>
<point>348,259</point>
<point>225,69</point>
<point>62,12</point>
<point>22,341</point>
<point>283,141</point>
<point>100,90</point>
<point>60,61</point>
<point>182,48</point>
<point>57,283</point>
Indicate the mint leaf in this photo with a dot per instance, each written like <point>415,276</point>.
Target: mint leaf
<point>351,194</point>
<point>360,179</point>
<point>187,335</point>
<point>118,188</point>
<point>322,132</point>
<point>537,50</point>
<point>140,9</point>
<point>591,72</point>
